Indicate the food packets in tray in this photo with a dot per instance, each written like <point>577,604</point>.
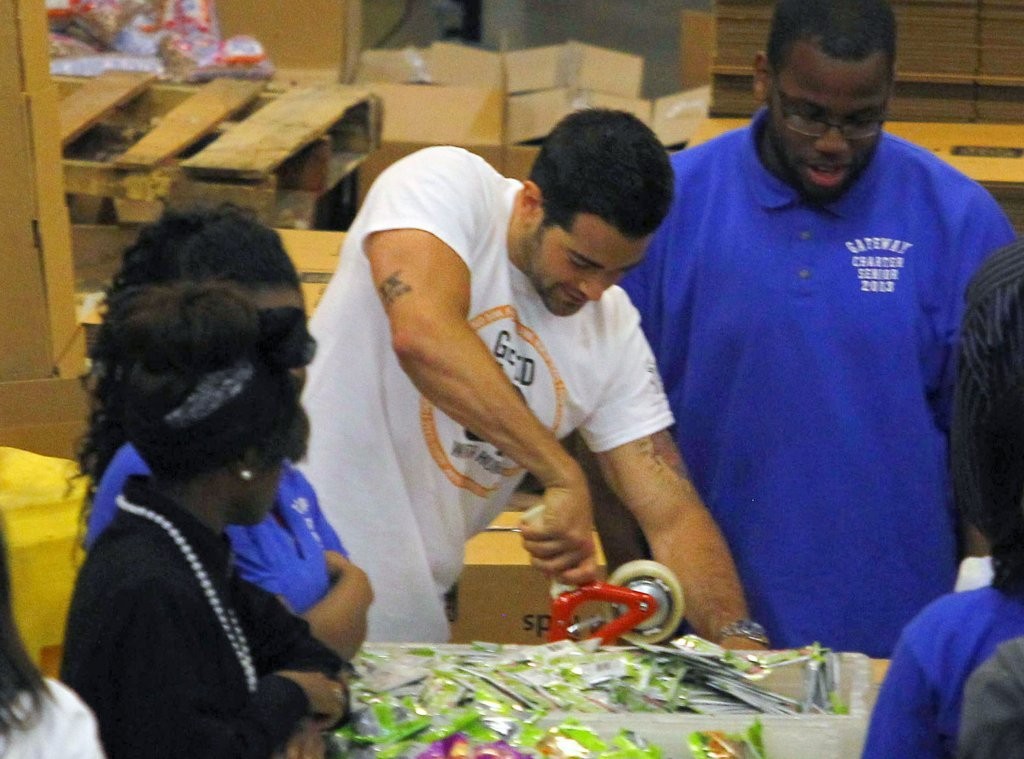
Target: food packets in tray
<point>408,697</point>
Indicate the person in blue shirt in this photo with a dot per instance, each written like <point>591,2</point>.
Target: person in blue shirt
<point>293,553</point>
<point>918,709</point>
<point>802,299</point>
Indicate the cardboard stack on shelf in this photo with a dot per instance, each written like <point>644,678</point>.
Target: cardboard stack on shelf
<point>957,60</point>
<point>936,60</point>
<point>1001,69</point>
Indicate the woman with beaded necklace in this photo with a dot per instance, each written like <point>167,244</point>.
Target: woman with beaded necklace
<point>174,652</point>
<point>294,552</point>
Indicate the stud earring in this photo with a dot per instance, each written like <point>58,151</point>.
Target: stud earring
<point>245,474</point>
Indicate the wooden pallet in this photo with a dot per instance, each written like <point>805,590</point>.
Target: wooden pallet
<point>145,145</point>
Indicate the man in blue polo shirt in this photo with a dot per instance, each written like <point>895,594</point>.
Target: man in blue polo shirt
<point>803,299</point>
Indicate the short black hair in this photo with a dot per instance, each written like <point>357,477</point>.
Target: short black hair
<point>997,438</point>
<point>200,350</point>
<point>847,30</point>
<point>222,243</point>
<point>225,242</point>
<point>607,163</point>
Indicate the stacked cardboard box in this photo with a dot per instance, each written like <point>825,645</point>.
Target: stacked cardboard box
<point>1001,74</point>
<point>957,60</point>
<point>500,104</point>
<point>937,36</point>
<point>1001,36</point>
<point>936,60</point>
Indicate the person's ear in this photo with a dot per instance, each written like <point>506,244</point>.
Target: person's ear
<point>247,466</point>
<point>531,203</point>
<point>762,78</point>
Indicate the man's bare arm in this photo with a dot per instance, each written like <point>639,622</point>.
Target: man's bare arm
<point>650,477</point>
<point>425,289</point>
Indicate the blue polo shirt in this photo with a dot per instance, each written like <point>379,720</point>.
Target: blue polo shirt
<point>808,354</point>
<point>283,554</point>
<point>918,708</point>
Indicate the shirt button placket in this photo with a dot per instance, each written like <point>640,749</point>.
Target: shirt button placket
<point>805,272</point>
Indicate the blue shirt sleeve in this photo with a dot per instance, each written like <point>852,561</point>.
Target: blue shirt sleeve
<point>126,462</point>
<point>905,718</point>
<point>327,534</point>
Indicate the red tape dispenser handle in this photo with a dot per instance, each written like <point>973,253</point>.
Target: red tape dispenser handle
<point>639,607</point>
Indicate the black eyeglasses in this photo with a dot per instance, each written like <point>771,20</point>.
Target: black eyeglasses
<point>857,128</point>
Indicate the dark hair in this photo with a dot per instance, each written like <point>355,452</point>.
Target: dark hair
<point>847,30</point>
<point>997,439</point>
<point>18,675</point>
<point>223,243</point>
<point>607,163</point>
<point>203,384</point>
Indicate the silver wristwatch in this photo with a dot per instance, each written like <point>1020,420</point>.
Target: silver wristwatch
<point>745,628</point>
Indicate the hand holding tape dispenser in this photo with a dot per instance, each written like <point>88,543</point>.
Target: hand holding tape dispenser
<point>644,598</point>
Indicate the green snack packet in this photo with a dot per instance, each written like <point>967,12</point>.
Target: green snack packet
<point>716,744</point>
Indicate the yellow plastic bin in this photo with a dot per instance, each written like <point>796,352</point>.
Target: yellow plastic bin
<point>41,502</point>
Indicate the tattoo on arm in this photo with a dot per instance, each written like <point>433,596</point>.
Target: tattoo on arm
<point>392,288</point>
<point>663,451</point>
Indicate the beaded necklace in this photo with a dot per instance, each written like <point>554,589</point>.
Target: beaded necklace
<point>226,616</point>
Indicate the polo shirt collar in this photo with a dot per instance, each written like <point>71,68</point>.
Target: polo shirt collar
<point>773,193</point>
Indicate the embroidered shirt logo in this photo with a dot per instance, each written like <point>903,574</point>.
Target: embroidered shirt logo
<point>877,262</point>
<point>302,507</point>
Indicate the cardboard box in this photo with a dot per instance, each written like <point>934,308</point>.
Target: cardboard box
<point>573,64</point>
<point>501,598</point>
<point>40,337</point>
<point>696,48</point>
<point>599,69</point>
<point>411,65</point>
<point>307,34</point>
<point>45,416</point>
<point>465,66</point>
<point>420,115</point>
<point>541,84</point>
<point>675,118</point>
<point>532,115</point>
<point>535,68</point>
<point>316,255</point>
<point>519,160</point>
